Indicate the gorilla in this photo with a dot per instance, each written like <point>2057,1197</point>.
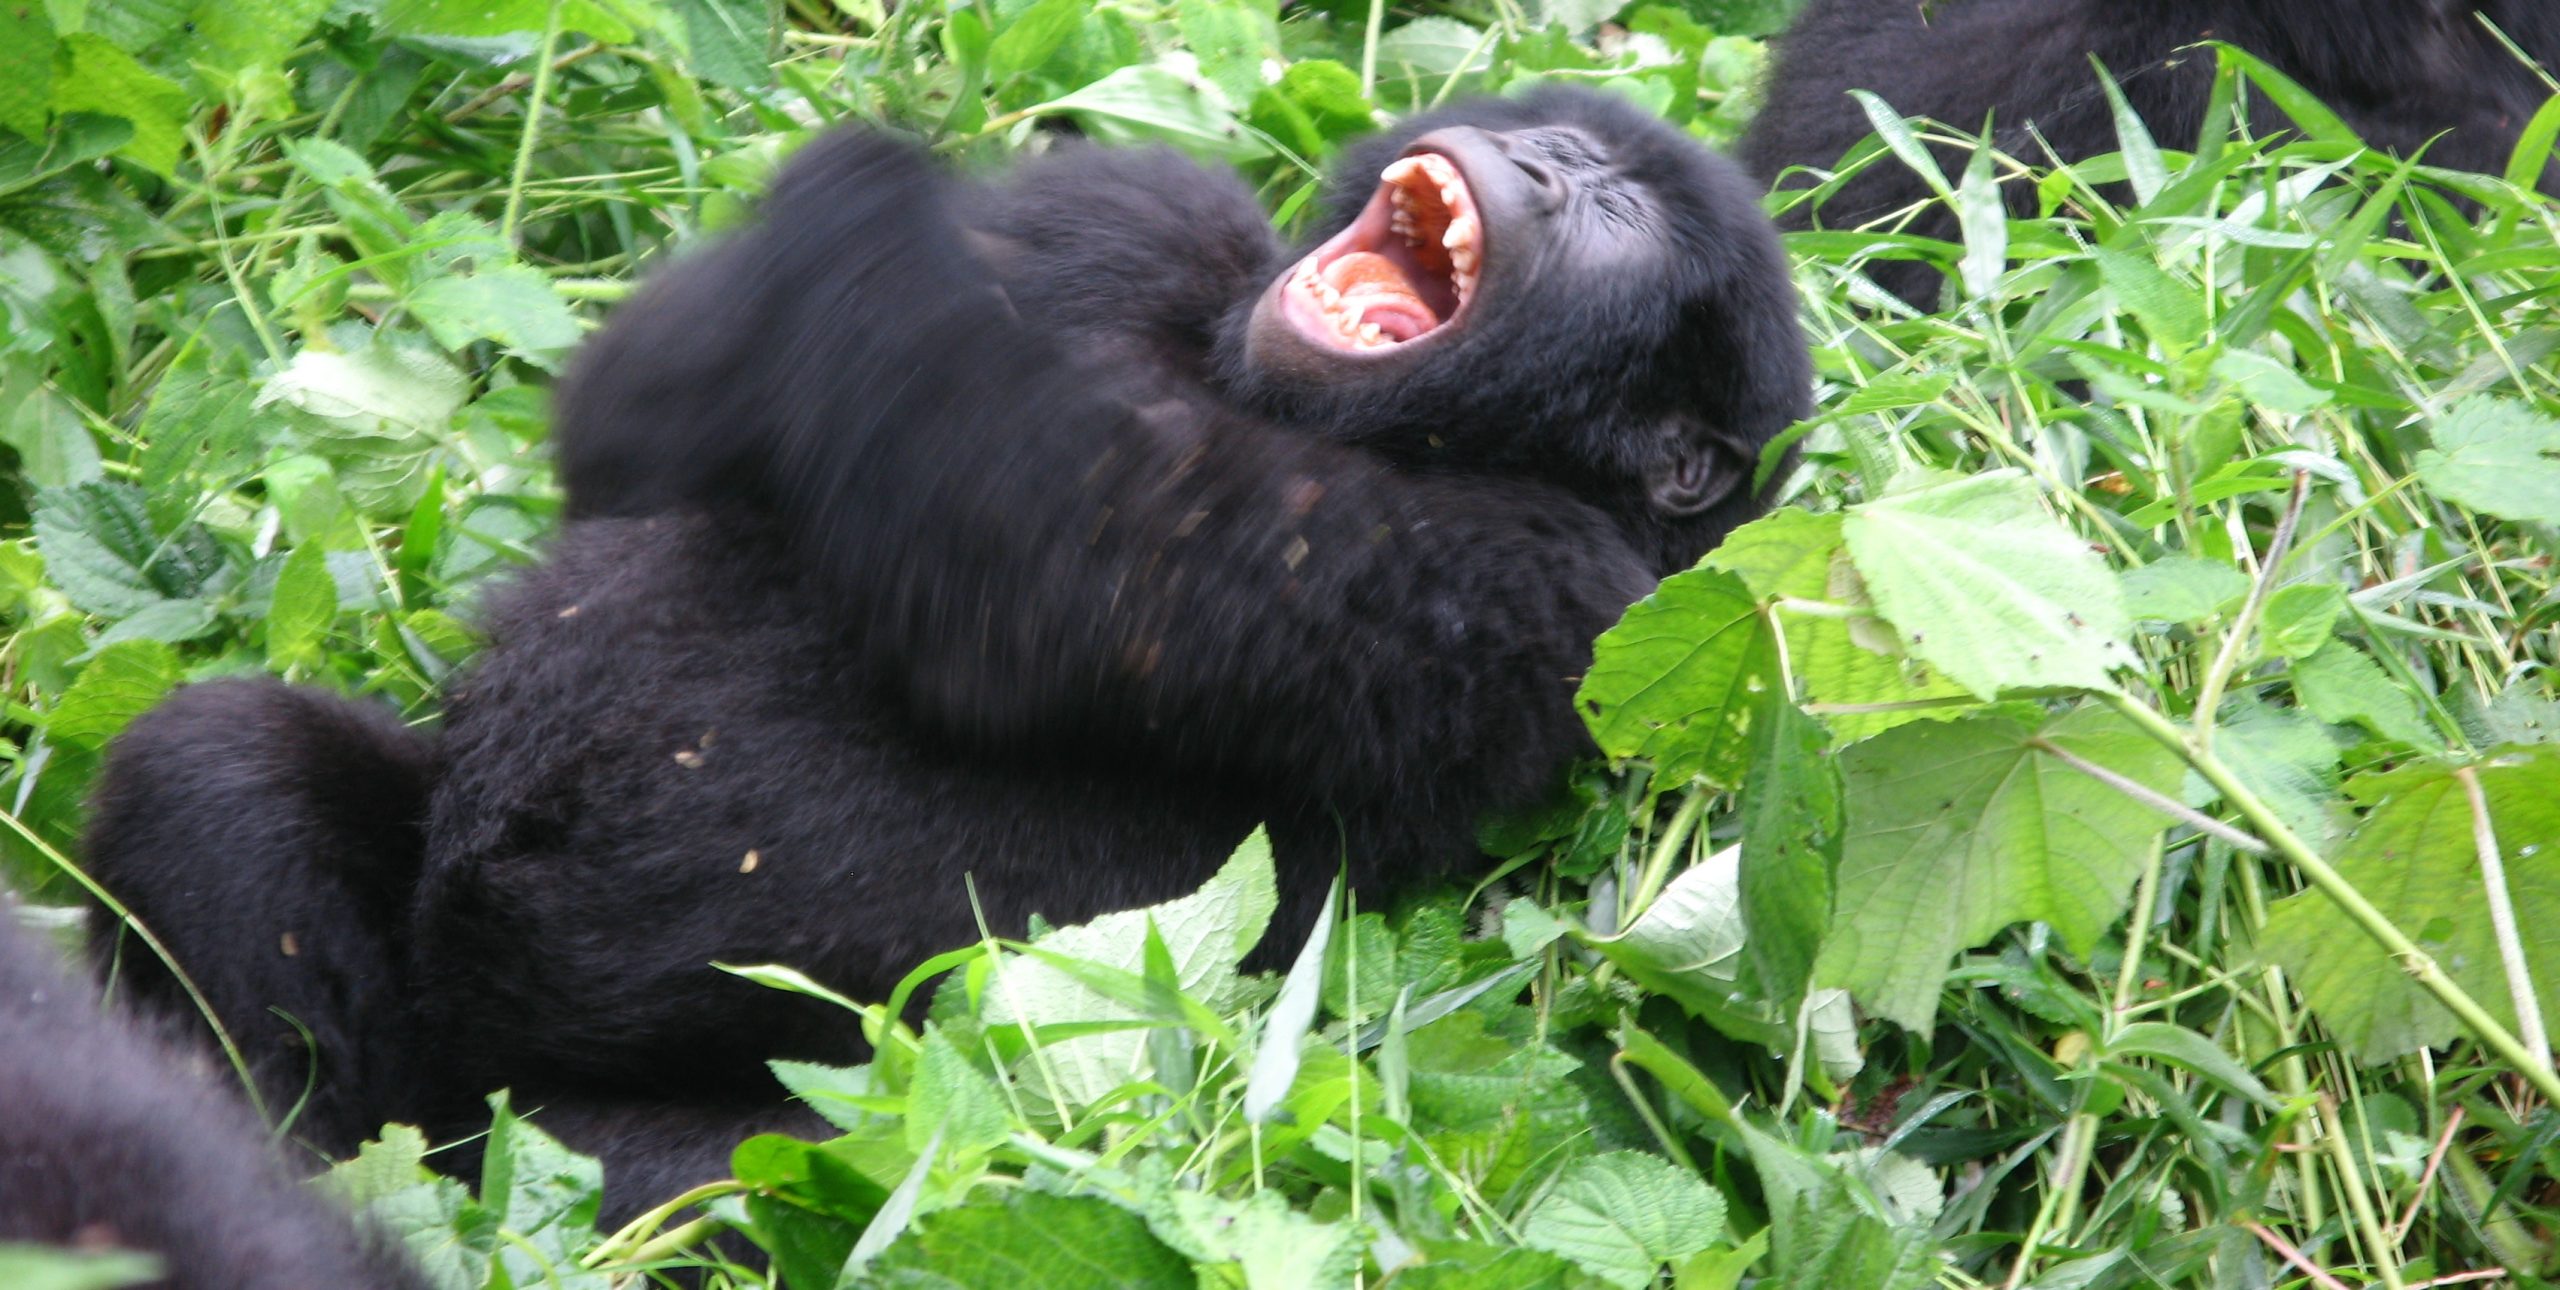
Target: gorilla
<point>2411,76</point>
<point>108,1140</point>
<point>1033,539</point>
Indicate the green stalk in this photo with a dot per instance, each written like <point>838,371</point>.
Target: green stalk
<point>2420,966</point>
<point>532,125</point>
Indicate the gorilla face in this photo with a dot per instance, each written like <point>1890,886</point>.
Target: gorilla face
<point>1559,284</point>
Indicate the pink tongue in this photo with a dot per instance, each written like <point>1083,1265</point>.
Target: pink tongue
<point>1375,290</point>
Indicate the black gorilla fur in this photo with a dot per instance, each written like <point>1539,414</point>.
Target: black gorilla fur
<point>2401,72</point>
<point>109,1139</point>
<point>1012,530</point>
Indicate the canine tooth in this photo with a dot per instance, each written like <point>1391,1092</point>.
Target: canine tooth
<point>1461,232</point>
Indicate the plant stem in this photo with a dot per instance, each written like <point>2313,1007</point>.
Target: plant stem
<point>2502,920</point>
<point>1657,867</point>
<point>2420,966</point>
<point>2209,693</point>
<point>532,125</point>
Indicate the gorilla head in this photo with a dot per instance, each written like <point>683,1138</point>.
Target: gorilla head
<point>1559,284</point>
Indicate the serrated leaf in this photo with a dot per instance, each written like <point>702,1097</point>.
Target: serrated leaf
<point>1267,1243</point>
<point>2296,620</point>
<point>1958,830</point>
<point>98,77</point>
<point>2171,311</point>
<point>2182,589</point>
<point>240,35</point>
<point>1031,38</point>
<point>100,547</point>
<point>121,683</point>
<point>2338,683</point>
<point>303,608</point>
<point>1207,933</point>
<point>1621,1215</point>
<point>1679,677</point>
<point>1790,849</point>
<point>1798,554</point>
<point>1032,1239</point>
<point>2415,859</point>
<point>949,1096</point>
<point>725,40</point>
<point>2498,456</point>
<point>376,415</point>
<point>510,304</point>
<point>1981,582</point>
<point>1434,47</point>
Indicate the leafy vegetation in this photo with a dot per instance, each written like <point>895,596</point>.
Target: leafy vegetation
<point>2105,831</point>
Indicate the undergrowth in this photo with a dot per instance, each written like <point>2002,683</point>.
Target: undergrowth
<point>2104,830</point>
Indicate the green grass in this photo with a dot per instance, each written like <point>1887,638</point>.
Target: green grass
<point>2196,560</point>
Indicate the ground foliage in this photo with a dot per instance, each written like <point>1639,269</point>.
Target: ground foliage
<point>2102,832</point>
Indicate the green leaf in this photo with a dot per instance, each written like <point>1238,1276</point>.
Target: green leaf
<point>2170,310</point>
<point>2414,858</point>
<point>544,1195</point>
<point>947,1095</point>
<point>95,76</point>
<point>27,47</point>
<point>1958,830</point>
<point>498,18</point>
<point>1687,946</point>
<point>1982,583</point>
<point>2180,1046</point>
<point>1270,1245</point>
<point>241,35</point>
<point>1232,41</point>
<point>1032,1239</point>
<point>2296,620</point>
<point>304,607</point>
<point>2182,589</point>
<point>1207,932</point>
<point>725,40</point>
<point>511,304</point>
<point>1435,48</point>
<point>2338,683</point>
<point>1842,662</point>
<point>100,546</point>
<point>2498,456</point>
<point>1154,103</point>
<point>377,415</point>
<point>1678,679</point>
<point>1621,1215</point>
<point>1790,848</point>
<point>1473,1265</point>
<point>1029,40</point>
<point>1291,1015</point>
<point>124,681</point>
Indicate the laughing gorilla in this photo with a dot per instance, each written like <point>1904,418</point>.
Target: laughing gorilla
<point>1049,533</point>
<point>2411,76</point>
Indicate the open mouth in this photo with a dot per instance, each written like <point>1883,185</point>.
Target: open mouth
<point>1404,269</point>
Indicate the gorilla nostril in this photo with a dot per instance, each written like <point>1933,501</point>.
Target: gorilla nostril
<point>1539,173</point>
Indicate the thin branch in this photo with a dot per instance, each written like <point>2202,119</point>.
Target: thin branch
<point>2185,814</point>
<point>2426,1181</point>
<point>2502,919</point>
<point>2209,694</point>
<point>2284,1250</point>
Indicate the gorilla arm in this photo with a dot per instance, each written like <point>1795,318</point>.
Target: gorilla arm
<point>1032,561</point>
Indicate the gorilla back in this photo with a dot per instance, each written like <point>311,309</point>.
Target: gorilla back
<point>1043,537</point>
<point>2411,76</point>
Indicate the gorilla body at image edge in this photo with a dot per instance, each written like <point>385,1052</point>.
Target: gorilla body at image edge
<point>1053,532</point>
<point>2411,76</point>
<point>109,1138</point>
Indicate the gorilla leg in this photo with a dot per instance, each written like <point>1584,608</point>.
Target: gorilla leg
<point>107,1139</point>
<point>269,836</point>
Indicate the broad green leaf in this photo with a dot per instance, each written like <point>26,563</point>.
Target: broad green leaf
<point>1472,1265</point>
<point>2498,456</point>
<point>949,1096</point>
<point>2296,620</point>
<point>510,304</point>
<point>1981,582</point>
<point>499,18</point>
<point>544,1195</point>
<point>241,35</point>
<point>1839,662</point>
<point>1688,946</point>
<point>1152,102</point>
<point>1030,39</point>
<point>199,432</point>
<point>101,548</point>
<point>2182,589</point>
<point>1207,933</point>
<point>121,683</point>
<point>2171,311</point>
<point>1621,1215</point>
<point>377,415</point>
<point>172,621</point>
<point>725,40</point>
<point>1291,1015</point>
<point>2338,683</point>
<point>1500,1105</point>
<point>1031,1239</point>
<point>304,607</point>
<point>1790,848</point>
<point>2180,1046</point>
<point>27,47</point>
<point>1271,1246</point>
<point>1678,679</point>
<point>1434,48</point>
<point>1958,830</point>
<point>1232,41</point>
<point>2415,859</point>
<point>95,76</point>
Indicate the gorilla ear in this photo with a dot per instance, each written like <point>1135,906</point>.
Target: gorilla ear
<point>1698,472</point>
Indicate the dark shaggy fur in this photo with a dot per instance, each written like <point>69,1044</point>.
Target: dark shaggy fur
<point>2402,72</point>
<point>108,1139</point>
<point>932,530</point>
